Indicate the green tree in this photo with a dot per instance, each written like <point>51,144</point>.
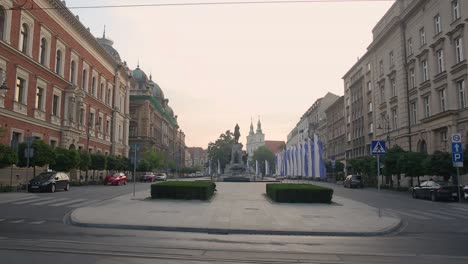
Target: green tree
<point>85,160</point>
<point>65,160</point>
<point>113,163</point>
<point>43,155</point>
<point>394,161</point>
<point>8,156</point>
<point>262,154</point>
<point>151,160</point>
<point>98,162</point>
<point>440,164</point>
<point>143,166</point>
<point>415,165</point>
<point>221,149</point>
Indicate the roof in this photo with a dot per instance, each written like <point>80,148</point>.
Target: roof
<point>275,146</point>
<point>156,104</point>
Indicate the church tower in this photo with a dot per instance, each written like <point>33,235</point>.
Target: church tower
<point>254,141</point>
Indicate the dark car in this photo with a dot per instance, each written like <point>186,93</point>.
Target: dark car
<point>465,189</point>
<point>436,190</point>
<point>148,177</point>
<point>352,181</point>
<point>49,181</point>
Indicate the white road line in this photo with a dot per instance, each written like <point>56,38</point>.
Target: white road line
<point>83,204</point>
<point>51,201</point>
<point>48,200</point>
<point>68,202</point>
<point>434,214</point>
<point>455,213</point>
<point>33,201</point>
<point>36,223</point>
<point>17,221</point>
<point>1,220</point>
<point>18,199</point>
<point>460,208</point>
<point>420,217</point>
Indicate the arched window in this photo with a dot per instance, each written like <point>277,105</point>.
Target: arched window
<point>58,62</point>
<point>93,86</point>
<point>73,72</point>
<point>2,22</point>
<point>43,51</point>
<point>84,81</point>
<point>24,37</point>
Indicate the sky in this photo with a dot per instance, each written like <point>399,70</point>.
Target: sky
<point>222,65</point>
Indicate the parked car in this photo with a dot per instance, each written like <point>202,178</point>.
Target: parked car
<point>161,176</point>
<point>436,190</point>
<point>353,181</point>
<point>148,177</point>
<point>465,191</point>
<point>49,181</point>
<point>118,178</point>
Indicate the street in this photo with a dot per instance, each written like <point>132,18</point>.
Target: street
<point>37,230</point>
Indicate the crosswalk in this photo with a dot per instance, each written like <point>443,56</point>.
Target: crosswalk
<point>21,221</point>
<point>450,213</point>
<point>35,200</point>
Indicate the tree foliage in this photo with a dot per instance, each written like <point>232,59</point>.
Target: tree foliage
<point>415,164</point>
<point>98,162</point>
<point>151,160</point>
<point>221,149</point>
<point>8,156</point>
<point>394,161</point>
<point>262,154</point>
<point>85,160</point>
<point>440,164</point>
<point>43,154</point>
<point>65,160</point>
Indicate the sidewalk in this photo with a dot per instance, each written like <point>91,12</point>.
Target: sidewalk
<point>237,208</point>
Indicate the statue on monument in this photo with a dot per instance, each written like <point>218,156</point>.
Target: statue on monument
<point>236,134</point>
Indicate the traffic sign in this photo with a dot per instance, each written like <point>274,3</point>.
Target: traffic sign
<point>457,150</point>
<point>456,138</point>
<point>378,147</point>
<point>333,163</point>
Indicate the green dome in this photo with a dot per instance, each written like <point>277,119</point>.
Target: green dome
<point>169,111</point>
<point>156,90</point>
<point>139,75</point>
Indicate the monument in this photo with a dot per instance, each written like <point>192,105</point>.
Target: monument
<point>236,170</point>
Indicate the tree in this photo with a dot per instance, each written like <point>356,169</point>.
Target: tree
<point>394,163</point>
<point>8,156</point>
<point>262,154</point>
<point>415,164</point>
<point>113,163</point>
<point>85,160</point>
<point>98,162</point>
<point>150,161</point>
<point>143,166</point>
<point>440,164</point>
<point>65,160</point>
<point>43,154</point>
<point>221,149</point>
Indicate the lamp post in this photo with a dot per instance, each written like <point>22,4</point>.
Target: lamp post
<point>385,122</point>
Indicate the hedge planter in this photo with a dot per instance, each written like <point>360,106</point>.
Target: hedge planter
<point>183,190</point>
<point>298,193</point>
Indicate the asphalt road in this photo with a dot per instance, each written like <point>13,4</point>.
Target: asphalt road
<point>35,232</point>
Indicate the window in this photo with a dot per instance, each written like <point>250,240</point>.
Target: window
<point>81,119</point>
<point>101,91</point>
<point>443,135</point>
<point>381,69</point>
<point>84,81</point>
<point>20,93</point>
<point>440,61</point>
<point>413,113</point>
<point>24,38</point>
<point>17,137</point>
<point>43,52</point>
<point>2,23</point>
<point>458,50</point>
<point>73,72</point>
<point>349,119</point>
<point>53,143</point>
<point>391,58</point>
<point>347,101</point>
<point>99,124</point>
<point>461,94</point>
<point>369,106</point>
<point>40,98</point>
<point>393,84</point>
<point>109,96</point>
<point>91,120</point>
<point>108,127</point>
<point>455,9</point>
<point>55,105</point>
<point>412,79</point>
<point>93,86</point>
<point>425,76</point>
<point>58,62</point>
<point>443,99</point>
<point>382,94</point>
<point>410,46</point>
<point>371,127</point>
<point>427,109</point>
<point>368,67</point>
<point>437,26</point>
<point>349,136</point>
<point>394,119</point>
<point>369,86</point>
<point>422,36</point>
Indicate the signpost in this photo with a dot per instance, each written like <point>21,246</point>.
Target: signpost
<point>135,150</point>
<point>28,153</point>
<point>378,148</point>
<point>457,159</point>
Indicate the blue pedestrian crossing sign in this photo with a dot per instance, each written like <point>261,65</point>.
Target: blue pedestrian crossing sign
<point>378,147</point>
<point>457,151</point>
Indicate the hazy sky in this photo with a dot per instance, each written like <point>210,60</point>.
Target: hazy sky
<point>221,65</point>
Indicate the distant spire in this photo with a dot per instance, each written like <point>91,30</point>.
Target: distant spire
<point>138,63</point>
<point>104,33</point>
<point>259,126</point>
<point>251,127</point>
<point>151,77</point>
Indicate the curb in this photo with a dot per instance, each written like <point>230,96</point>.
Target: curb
<point>222,231</point>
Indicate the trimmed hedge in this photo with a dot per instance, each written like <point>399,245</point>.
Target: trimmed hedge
<point>184,190</point>
<point>298,193</point>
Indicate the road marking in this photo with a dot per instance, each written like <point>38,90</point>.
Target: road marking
<point>36,223</point>
<point>409,214</point>
<point>36,200</point>
<point>68,202</point>
<point>17,221</point>
<point>1,220</point>
<point>456,214</point>
<point>460,208</point>
<point>48,200</point>
<point>18,199</point>
<point>434,214</point>
<point>83,204</point>
<point>51,201</point>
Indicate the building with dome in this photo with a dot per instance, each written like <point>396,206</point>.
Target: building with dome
<point>153,122</point>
